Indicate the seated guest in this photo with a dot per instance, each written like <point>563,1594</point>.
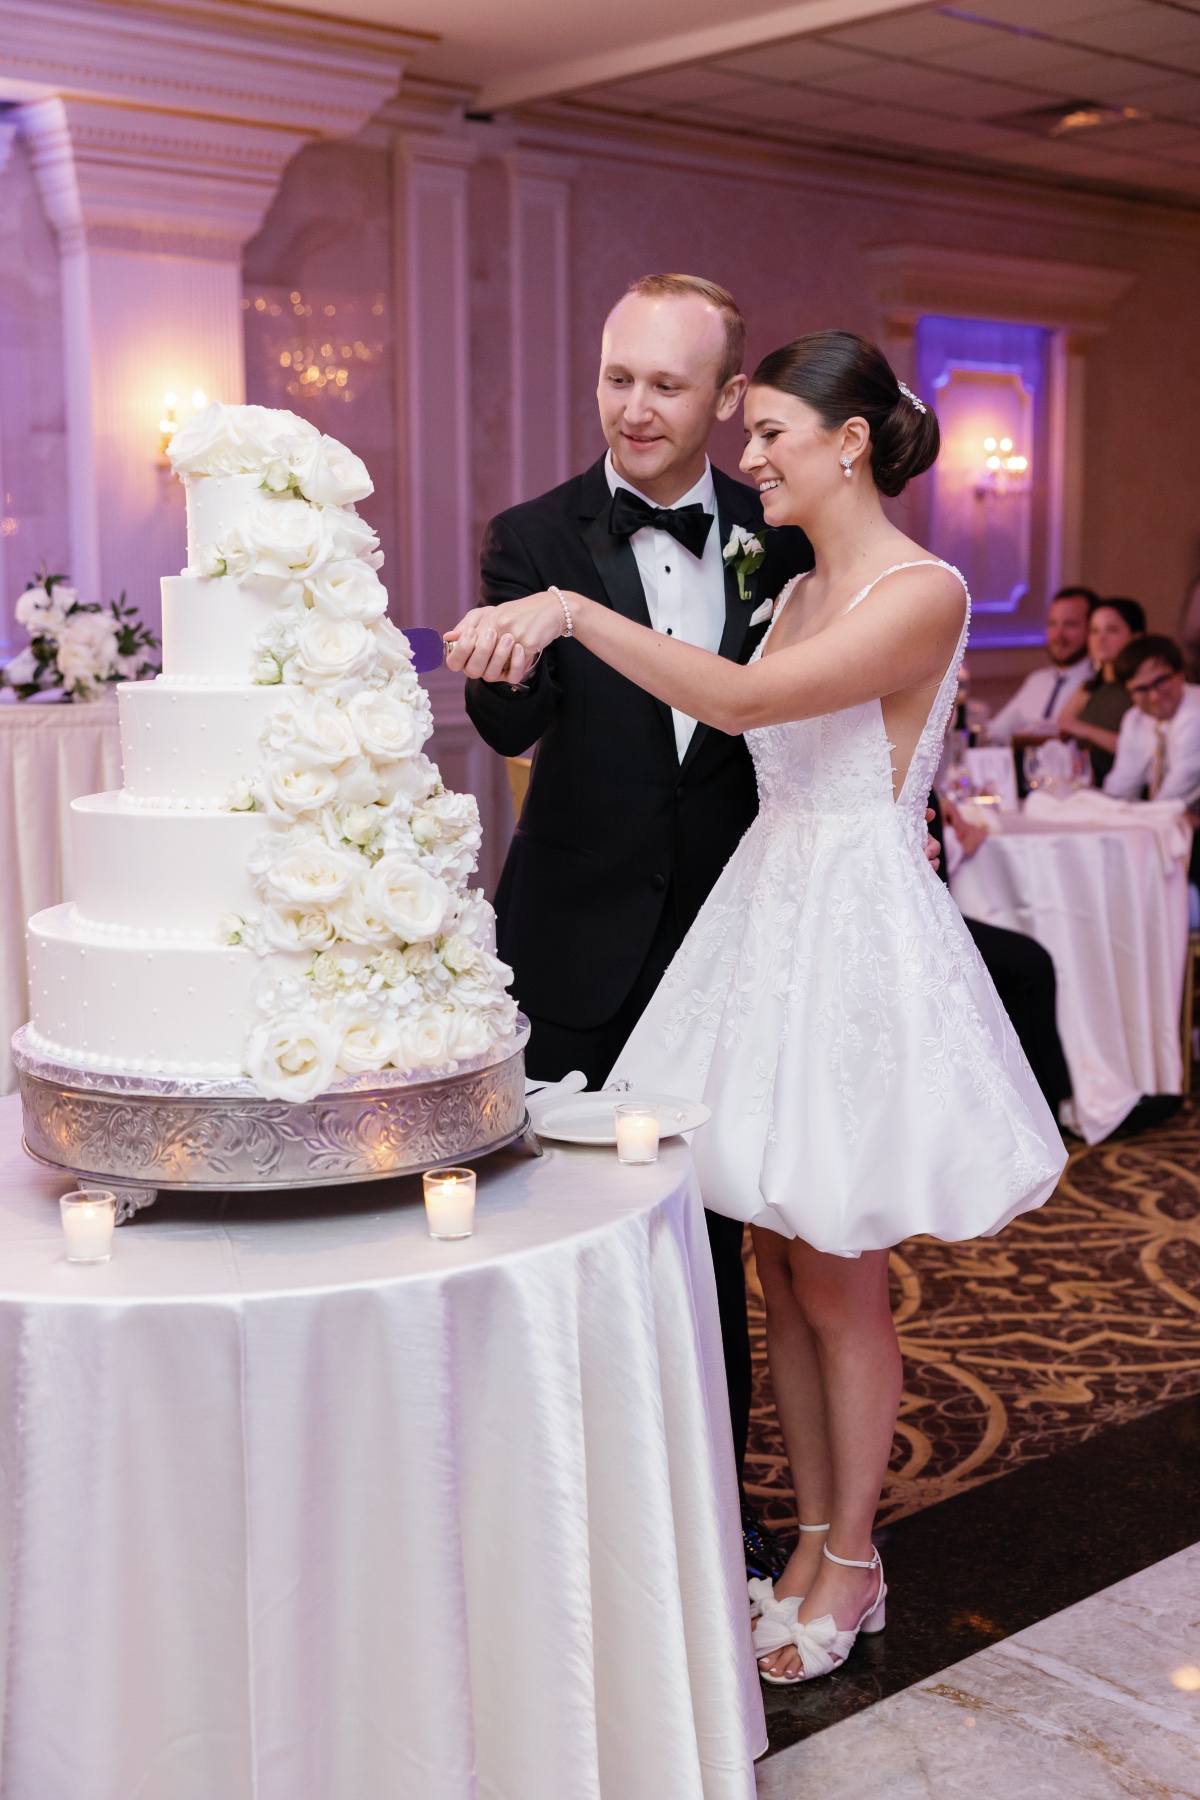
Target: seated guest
<point>1037,703</point>
<point>1094,712</point>
<point>1158,745</point>
<point>1020,967</point>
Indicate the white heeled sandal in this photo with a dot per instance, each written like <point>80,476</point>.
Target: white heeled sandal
<point>762,1593</point>
<point>821,1645</point>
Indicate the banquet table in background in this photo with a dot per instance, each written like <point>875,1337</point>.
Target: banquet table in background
<point>299,1504</point>
<point>49,755</point>
<point>1110,905</point>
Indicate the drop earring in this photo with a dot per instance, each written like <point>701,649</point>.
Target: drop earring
<point>847,467</point>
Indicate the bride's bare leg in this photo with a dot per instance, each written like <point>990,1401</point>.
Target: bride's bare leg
<point>799,1403</point>
<point>845,1306</point>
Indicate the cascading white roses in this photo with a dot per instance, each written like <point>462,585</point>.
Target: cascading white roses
<point>376,955</point>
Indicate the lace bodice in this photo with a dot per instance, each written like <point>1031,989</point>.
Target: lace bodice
<point>841,763</point>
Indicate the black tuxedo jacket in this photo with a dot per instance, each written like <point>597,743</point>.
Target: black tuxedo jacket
<point>612,821</point>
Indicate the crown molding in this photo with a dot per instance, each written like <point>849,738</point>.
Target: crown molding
<point>912,279</point>
<point>218,59</point>
<point>118,178</point>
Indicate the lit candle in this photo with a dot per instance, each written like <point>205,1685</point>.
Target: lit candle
<point>89,1216</point>
<point>637,1134</point>
<point>450,1202</point>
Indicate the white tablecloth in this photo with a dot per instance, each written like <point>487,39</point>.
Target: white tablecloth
<point>1112,911</point>
<point>49,755</point>
<point>297,1504</point>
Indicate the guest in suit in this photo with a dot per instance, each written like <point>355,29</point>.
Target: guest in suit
<point>1094,712</point>
<point>1034,709</point>
<point>1158,745</point>
<point>632,810</point>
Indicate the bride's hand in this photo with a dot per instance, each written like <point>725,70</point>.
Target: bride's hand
<point>502,643</point>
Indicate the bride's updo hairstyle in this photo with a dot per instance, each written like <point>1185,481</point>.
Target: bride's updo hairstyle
<point>842,376</point>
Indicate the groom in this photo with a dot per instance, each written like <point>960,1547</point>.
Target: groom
<point>633,810</point>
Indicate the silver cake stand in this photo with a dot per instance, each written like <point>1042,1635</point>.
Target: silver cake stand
<point>141,1133</point>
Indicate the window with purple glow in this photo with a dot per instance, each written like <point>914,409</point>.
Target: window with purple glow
<point>989,492</point>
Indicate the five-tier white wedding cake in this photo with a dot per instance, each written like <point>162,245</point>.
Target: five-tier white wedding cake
<point>280,888</point>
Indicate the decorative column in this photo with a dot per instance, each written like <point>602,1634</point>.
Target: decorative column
<point>159,135</point>
<point>440,574</point>
<point>539,249</point>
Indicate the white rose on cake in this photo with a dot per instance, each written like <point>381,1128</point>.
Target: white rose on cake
<point>332,475</point>
<point>311,873</point>
<point>356,918</point>
<point>424,1039</point>
<point>349,536</point>
<point>407,783</point>
<point>469,1033</point>
<point>407,898</point>
<point>292,782</point>
<point>387,727</point>
<point>349,589</point>
<point>329,650</point>
<point>240,440</point>
<point>317,727</point>
<point>395,651</point>
<point>296,928</point>
<point>281,537</point>
<point>369,1041</point>
<point>293,1057</point>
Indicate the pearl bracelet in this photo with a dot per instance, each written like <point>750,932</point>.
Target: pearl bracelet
<point>570,631</point>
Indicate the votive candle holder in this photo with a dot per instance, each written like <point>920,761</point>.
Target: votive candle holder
<point>450,1202</point>
<point>89,1217</point>
<point>637,1133</point>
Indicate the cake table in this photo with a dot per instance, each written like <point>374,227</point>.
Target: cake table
<point>299,1503</point>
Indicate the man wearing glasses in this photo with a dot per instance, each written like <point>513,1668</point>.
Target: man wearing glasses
<point>1158,746</point>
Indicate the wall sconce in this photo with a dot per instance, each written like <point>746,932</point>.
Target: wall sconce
<point>1003,471</point>
<point>169,423</point>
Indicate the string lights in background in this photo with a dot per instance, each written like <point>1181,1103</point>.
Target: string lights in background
<point>327,348</point>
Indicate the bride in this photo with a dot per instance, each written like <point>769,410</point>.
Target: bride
<point>828,1004</point>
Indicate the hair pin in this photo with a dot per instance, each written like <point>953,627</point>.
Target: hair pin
<point>912,398</point>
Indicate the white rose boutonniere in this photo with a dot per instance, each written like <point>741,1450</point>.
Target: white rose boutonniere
<point>745,552</point>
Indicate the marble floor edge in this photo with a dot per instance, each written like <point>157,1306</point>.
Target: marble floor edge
<point>1100,1701</point>
<point>987,1564</point>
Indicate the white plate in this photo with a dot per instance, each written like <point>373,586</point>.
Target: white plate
<point>589,1118</point>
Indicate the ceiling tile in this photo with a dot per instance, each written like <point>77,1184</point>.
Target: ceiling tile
<point>1005,56</point>
<point>1159,32</point>
<point>1045,15</point>
<point>676,86</point>
<point>781,105</point>
<point>803,59</point>
<point>922,34</point>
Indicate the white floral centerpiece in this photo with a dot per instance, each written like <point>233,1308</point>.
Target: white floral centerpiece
<point>78,646</point>
<point>363,876</point>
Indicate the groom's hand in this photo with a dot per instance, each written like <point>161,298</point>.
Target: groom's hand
<point>502,643</point>
<point>933,849</point>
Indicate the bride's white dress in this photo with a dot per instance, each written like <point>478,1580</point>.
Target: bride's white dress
<point>830,1006</point>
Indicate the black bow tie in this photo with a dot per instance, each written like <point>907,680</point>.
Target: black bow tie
<point>688,525</point>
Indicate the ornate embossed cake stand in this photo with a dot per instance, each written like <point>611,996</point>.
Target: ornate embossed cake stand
<point>142,1133</point>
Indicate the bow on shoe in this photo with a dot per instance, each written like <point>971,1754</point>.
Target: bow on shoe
<point>815,1639</point>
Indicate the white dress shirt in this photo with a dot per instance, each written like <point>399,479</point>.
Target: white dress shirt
<point>685,594</point>
<point>1040,698</point>
<point>1137,742</point>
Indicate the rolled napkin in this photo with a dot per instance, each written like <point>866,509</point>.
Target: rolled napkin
<point>539,1095</point>
<point>1088,807</point>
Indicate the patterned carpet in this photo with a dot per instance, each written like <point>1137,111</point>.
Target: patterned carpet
<point>1079,1316</point>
